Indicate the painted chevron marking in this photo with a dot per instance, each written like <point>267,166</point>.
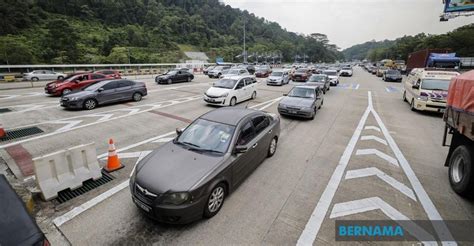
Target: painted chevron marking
<point>372,128</point>
<point>375,203</point>
<point>378,153</point>
<point>375,138</point>
<point>69,124</point>
<point>373,171</point>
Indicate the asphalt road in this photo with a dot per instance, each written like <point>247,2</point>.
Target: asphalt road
<point>365,156</point>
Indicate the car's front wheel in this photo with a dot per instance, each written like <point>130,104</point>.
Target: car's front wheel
<point>137,97</point>
<point>34,79</point>
<point>254,95</point>
<point>215,201</point>
<point>272,147</point>
<point>233,101</point>
<point>60,77</point>
<point>90,104</point>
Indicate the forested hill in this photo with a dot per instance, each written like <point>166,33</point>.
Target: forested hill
<point>460,40</point>
<point>109,31</point>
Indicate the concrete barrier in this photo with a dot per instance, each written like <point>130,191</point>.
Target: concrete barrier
<point>66,169</point>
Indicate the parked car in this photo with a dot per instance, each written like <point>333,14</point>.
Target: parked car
<point>232,90</point>
<point>263,71</point>
<point>105,92</point>
<point>392,75</point>
<point>36,75</point>
<point>207,69</point>
<point>217,71</point>
<point>346,71</point>
<point>234,72</point>
<point>75,82</point>
<point>301,75</point>
<point>110,73</point>
<point>301,101</point>
<point>278,77</point>
<point>321,80</point>
<point>250,68</point>
<point>190,177</point>
<point>380,71</point>
<point>174,76</point>
<point>18,227</point>
<point>333,77</point>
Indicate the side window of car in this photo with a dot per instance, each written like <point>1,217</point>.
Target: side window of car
<point>260,123</point>
<point>247,133</point>
<point>240,85</point>
<point>110,86</point>
<point>97,76</point>
<point>124,83</point>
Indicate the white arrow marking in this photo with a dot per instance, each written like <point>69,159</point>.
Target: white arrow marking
<point>374,203</point>
<point>373,171</point>
<point>103,116</point>
<point>372,137</point>
<point>70,124</point>
<point>378,153</point>
<point>372,128</point>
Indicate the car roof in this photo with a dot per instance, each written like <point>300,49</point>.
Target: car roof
<point>237,77</point>
<point>228,115</point>
<point>305,86</point>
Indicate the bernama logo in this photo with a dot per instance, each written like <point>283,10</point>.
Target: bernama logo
<point>370,231</point>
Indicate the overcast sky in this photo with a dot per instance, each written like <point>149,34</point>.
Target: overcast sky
<point>350,22</point>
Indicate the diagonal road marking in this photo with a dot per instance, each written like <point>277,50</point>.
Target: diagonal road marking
<point>375,138</point>
<point>378,153</point>
<point>372,128</point>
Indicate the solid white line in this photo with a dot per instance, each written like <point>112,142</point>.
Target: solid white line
<point>311,229</point>
<point>372,128</point>
<point>378,153</point>
<point>374,203</point>
<point>270,104</point>
<point>373,171</point>
<point>429,207</point>
<point>89,204</point>
<point>375,138</point>
<point>357,87</point>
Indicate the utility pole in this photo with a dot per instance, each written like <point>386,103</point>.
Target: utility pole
<point>245,51</point>
<point>128,51</point>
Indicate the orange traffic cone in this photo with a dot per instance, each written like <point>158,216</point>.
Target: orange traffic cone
<point>2,131</point>
<point>113,162</point>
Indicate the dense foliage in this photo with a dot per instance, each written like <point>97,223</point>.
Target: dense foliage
<point>144,31</point>
<point>460,40</point>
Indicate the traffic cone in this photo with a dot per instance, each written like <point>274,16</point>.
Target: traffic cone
<point>2,131</point>
<point>113,162</point>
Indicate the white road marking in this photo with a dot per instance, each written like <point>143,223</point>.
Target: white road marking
<point>375,203</point>
<point>375,138</point>
<point>373,171</point>
<point>386,89</point>
<point>372,128</point>
<point>378,153</point>
<point>163,140</point>
<point>357,87</point>
<point>69,125</point>
<point>313,225</point>
<point>269,104</point>
<point>98,199</point>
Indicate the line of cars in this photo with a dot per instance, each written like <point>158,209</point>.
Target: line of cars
<point>387,74</point>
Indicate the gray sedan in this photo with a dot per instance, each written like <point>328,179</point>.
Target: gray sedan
<point>190,177</point>
<point>302,101</point>
<point>104,92</point>
<point>319,80</point>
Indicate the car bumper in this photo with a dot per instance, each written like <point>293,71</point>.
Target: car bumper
<point>261,75</point>
<point>333,82</point>
<point>274,82</point>
<point>393,79</point>
<point>299,79</point>
<point>297,113</point>
<point>215,100</point>
<point>52,91</point>
<point>430,106</point>
<point>346,74</point>
<point>71,104</point>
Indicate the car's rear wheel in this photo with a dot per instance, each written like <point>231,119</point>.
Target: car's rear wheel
<point>90,104</point>
<point>60,77</point>
<point>215,201</point>
<point>137,97</point>
<point>169,81</point>
<point>66,91</point>
<point>35,79</point>
<point>189,79</point>
<point>233,101</point>
<point>272,147</point>
<point>254,95</point>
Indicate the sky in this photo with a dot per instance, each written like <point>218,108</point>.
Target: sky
<point>350,22</point>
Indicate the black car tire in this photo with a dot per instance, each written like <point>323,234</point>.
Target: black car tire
<point>215,194</point>
<point>90,104</point>
<point>314,114</point>
<point>254,95</point>
<point>170,81</point>
<point>272,147</point>
<point>137,96</point>
<point>412,105</point>
<point>34,79</point>
<point>60,77</point>
<point>461,176</point>
<point>66,91</point>
<point>189,79</point>
<point>157,80</point>
<point>322,102</point>
<point>405,96</point>
<point>233,101</point>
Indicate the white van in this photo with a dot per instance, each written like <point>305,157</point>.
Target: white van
<point>231,90</point>
<point>426,89</point>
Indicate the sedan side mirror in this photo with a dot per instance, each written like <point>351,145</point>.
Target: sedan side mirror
<point>240,149</point>
<point>100,90</point>
<point>415,86</point>
<point>285,94</point>
<point>179,131</point>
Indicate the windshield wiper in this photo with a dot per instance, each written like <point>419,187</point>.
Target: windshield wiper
<point>210,150</point>
<point>188,144</point>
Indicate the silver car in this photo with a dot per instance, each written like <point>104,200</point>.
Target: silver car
<point>302,101</point>
<point>36,75</point>
<point>278,77</point>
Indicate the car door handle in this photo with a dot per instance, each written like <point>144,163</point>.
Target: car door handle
<point>270,131</point>
<point>254,146</point>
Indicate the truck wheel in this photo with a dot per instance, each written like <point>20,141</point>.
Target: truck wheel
<point>461,175</point>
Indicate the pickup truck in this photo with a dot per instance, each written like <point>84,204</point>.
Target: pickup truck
<point>459,119</point>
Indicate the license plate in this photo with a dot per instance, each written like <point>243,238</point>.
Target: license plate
<point>211,100</point>
<point>293,111</point>
<point>142,206</point>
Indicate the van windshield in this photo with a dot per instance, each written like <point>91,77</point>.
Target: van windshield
<point>435,84</point>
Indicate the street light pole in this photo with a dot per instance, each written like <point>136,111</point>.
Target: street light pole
<point>245,51</point>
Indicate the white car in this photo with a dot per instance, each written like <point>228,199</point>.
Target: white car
<point>346,71</point>
<point>217,71</point>
<point>234,72</point>
<point>333,76</point>
<point>36,75</point>
<point>231,90</point>
<point>278,77</point>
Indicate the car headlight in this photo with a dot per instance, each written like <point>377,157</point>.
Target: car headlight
<point>176,198</point>
<point>422,98</point>
<point>74,98</point>
<point>281,105</point>
<point>225,94</point>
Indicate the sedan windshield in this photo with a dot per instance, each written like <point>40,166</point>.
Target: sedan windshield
<point>233,71</point>
<point>435,84</point>
<point>316,78</point>
<point>394,72</point>
<point>94,87</point>
<point>207,136</point>
<point>225,83</point>
<point>171,72</point>
<point>302,92</point>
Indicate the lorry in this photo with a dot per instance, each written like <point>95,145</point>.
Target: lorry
<point>441,58</point>
<point>459,119</point>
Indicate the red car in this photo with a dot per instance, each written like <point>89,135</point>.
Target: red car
<point>110,73</point>
<point>75,82</point>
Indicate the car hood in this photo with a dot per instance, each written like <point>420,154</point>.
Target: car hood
<point>346,71</point>
<point>297,102</point>
<point>164,76</point>
<point>275,77</point>
<point>175,169</point>
<point>80,94</point>
<point>393,75</point>
<point>216,91</point>
<point>333,76</point>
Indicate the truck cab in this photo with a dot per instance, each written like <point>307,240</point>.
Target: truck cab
<point>426,89</point>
